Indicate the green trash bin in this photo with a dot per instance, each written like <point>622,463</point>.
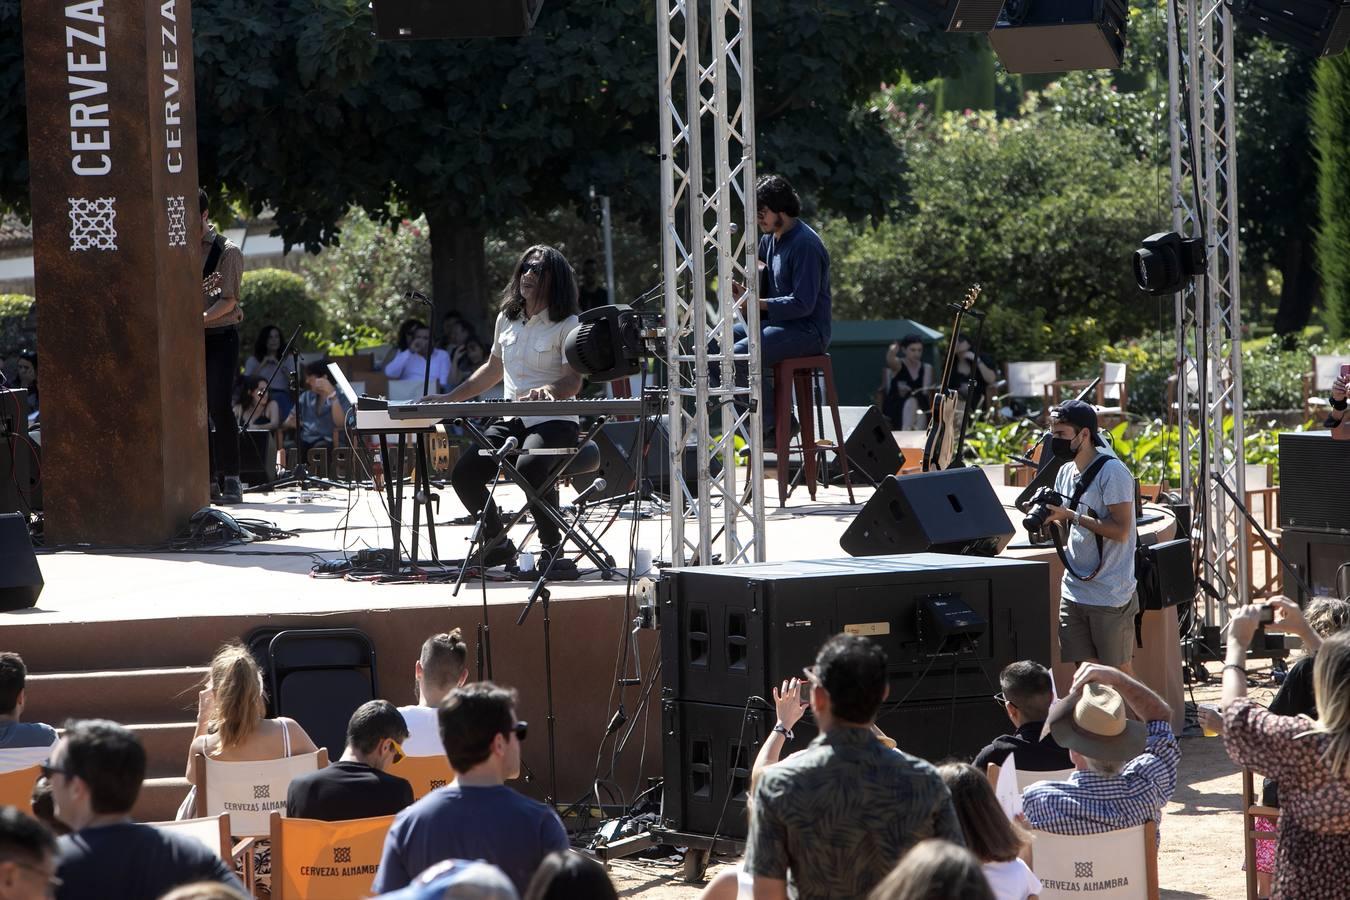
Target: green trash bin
<point>858,354</point>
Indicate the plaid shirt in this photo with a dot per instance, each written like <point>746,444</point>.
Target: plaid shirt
<point>1089,803</point>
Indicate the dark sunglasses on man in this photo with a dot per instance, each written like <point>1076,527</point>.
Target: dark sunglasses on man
<point>520,729</point>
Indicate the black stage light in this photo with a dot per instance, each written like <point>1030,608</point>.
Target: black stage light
<point>1321,27</point>
<point>1041,36</point>
<point>607,344</point>
<point>1164,262</point>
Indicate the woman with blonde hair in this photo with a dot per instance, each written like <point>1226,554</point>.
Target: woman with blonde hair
<point>1310,760</point>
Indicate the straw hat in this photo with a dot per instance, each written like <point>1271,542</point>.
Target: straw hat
<point>1092,721</point>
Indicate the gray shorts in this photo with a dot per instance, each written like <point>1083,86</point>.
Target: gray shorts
<point>1103,633</point>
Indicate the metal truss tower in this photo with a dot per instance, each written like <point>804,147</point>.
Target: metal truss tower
<point>709,242</point>
<point>1203,127</point>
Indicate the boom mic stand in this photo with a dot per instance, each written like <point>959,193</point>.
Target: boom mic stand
<point>299,476</point>
<point>476,539</point>
<point>1265,538</point>
<point>541,592</point>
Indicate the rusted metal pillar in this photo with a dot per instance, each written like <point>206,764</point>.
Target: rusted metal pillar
<point>116,231</point>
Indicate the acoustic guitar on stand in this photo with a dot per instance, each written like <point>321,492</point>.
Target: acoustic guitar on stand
<point>937,446</point>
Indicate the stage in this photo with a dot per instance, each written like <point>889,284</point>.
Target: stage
<point>126,635</point>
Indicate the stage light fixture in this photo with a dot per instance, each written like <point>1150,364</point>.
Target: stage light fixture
<point>1164,262</point>
<point>607,344</point>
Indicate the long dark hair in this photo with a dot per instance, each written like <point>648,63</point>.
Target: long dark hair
<point>557,280</point>
<point>260,345</point>
<point>990,835</point>
<point>405,332</point>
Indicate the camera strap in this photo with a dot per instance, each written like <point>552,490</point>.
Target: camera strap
<point>1084,482</point>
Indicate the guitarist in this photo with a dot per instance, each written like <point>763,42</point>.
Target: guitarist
<point>221,315</point>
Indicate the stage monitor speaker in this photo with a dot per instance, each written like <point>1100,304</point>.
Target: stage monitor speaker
<point>1318,556</point>
<point>872,450</point>
<point>618,443</point>
<point>1314,489</point>
<point>1316,26</point>
<point>1167,574</point>
<point>952,511</point>
<point>416,20</point>
<point>20,578</point>
<point>968,16</point>
<point>1043,36</point>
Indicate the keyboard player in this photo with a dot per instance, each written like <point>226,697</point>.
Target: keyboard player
<point>538,309</point>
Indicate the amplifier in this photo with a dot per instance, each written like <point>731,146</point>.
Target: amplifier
<point>708,750</point>
<point>1314,482</point>
<point>947,623</point>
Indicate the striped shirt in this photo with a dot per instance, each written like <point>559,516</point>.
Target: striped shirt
<point>1089,803</point>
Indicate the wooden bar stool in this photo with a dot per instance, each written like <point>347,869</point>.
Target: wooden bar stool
<point>797,373</point>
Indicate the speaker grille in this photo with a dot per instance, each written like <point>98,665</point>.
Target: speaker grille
<point>1314,492</point>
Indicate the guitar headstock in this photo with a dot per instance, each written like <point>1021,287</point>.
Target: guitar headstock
<point>211,285</point>
<point>971,296</point>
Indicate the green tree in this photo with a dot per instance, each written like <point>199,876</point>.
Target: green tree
<point>1331,135</point>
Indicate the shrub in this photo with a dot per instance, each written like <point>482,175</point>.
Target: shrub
<point>15,333</point>
<point>277,297</point>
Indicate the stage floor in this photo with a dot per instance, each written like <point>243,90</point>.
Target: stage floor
<point>273,577</point>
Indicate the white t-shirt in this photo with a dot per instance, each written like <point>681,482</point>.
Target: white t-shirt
<point>531,351</point>
<point>424,733</point>
<point>1011,880</point>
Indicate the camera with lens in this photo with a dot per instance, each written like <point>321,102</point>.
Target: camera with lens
<point>1036,517</point>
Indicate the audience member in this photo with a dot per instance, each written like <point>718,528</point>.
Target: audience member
<point>592,292</point>
<point>266,361</point>
<point>996,842</point>
<point>322,413</point>
<point>1126,770</point>
<point>1026,695</point>
<point>96,772</point>
<point>566,875</point>
<point>205,890</point>
<point>22,744</point>
<point>441,667</point>
<point>231,718</point>
<point>254,406</point>
<point>44,807</point>
<point>476,816</point>
<point>879,802</point>
<point>935,870</point>
<point>910,378</point>
<point>412,362</point>
<point>27,857</point>
<point>26,370</point>
<point>458,879</point>
<point>357,785</point>
<point>404,337</point>
<point>969,366</point>
<point>1336,416</point>
<point>1310,760</point>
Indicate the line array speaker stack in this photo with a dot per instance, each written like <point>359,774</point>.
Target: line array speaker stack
<point>968,16</point>
<point>1321,27</point>
<point>728,633</point>
<point>413,20</point>
<point>1314,509</point>
<point>1040,36</point>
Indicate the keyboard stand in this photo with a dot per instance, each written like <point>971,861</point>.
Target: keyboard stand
<point>421,495</point>
<point>534,497</point>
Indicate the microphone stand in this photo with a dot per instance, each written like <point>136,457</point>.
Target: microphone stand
<point>299,476</point>
<point>484,628</point>
<point>958,456</point>
<point>541,593</point>
<point>1265,538</point>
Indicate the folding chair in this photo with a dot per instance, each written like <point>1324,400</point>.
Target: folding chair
<point>213,832</point>
<point>1028,380</point>
<point>1251,808</point>
<point>319,676</point>
<point>1114,865</point>
<point>424,773</point>
<point>16,788</point>
<point>250,791</point>
<point>1026,779</point>
<point>328,860</point>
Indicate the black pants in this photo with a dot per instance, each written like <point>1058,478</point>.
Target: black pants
<point>473,471</point>
<point>222,359</point>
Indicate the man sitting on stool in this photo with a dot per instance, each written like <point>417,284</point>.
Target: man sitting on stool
<point>539,308</point>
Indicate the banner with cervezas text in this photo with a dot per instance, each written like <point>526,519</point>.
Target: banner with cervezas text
<point>117,234</point>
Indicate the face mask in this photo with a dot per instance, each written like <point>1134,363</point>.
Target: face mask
<point>1062,448</point>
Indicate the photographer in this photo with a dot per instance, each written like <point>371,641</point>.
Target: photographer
<point>1098,602</point>
<point>1337,415</point>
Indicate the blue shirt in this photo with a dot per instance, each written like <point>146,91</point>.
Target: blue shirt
<point>24,744</point>
<point>494,824</point>
<point>316,418</point>
<point>1114,584</point>
<point>1089,803</point>
<point>798,275</point>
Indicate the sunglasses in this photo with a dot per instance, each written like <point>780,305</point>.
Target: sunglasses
<point>48,770</point>
<point>399,755</point>
<point>531,266</point>
<point>520,729</point>
<point>1000,698</point>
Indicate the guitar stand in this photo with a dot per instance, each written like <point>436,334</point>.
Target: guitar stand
<point>534,498</point>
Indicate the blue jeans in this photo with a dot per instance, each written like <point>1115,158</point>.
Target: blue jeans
<point>777,343</point>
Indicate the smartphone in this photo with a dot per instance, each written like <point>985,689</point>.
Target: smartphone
<point>1345,371</point>
<point>1267,615</point>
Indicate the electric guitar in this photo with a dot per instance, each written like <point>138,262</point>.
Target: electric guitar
<point>937,446</point>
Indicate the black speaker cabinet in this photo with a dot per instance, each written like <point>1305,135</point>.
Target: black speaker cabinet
<point>19,456</point>
<point>952,511</point>
<point>618,443</point>
<point>955,15</point>
<point>1316,26</point>
<point>412,20</point>
<point>20,578</point>
<point>728,632</point>
<point>1168,575</point>
<point>1314,487</point>
<point>1317,556</point>
<point>708,750</point>
<point>872,450</point>
<point>1040,36</point>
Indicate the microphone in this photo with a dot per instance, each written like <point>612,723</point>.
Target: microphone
<point>598,486</point>
<point>418,296</point>
<point>507,446</point>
